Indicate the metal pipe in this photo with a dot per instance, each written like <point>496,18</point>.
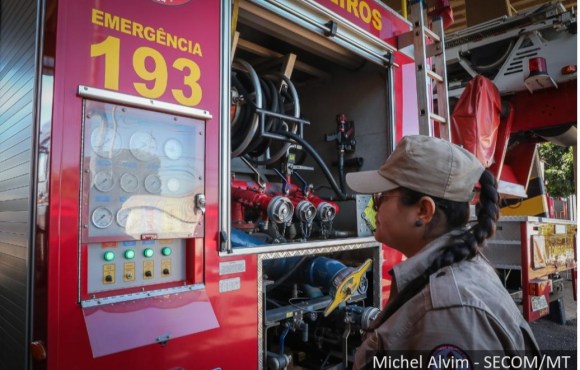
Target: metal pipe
<point>277,361</point>
<point>320,162</point>
<point>392,133</point>
<point>225,137</point>
<point>283,335</point>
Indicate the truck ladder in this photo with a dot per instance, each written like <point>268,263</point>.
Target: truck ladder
<point>429,49</point>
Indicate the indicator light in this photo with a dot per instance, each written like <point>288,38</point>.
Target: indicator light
<point>166,251</point>
<point>129,254</point>
<point>109,256</point>
<point>148,252</point>
<point>538,78</point>
<point>569,69</point>
<point>538,66</point>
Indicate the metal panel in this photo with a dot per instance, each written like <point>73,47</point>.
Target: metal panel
<point>18,31</point>
<point>460,10</point>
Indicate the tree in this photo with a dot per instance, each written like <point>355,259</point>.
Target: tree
<point>558,169</point>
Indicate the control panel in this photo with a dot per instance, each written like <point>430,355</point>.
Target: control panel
<point>127,264</point>
<point>142,200</point>
<point>142,174</point>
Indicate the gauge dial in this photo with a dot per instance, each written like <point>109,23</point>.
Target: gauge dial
<point>173,185</point>
<point>129,182</point>
<point>143,146</point>
<point>122,216</point>
<point>104,181</point>
<point>102,217</point>
<point>173,149</point>
<point>105,141</point>
<point>153,184</point>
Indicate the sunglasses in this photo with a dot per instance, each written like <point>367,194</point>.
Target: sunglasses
<point>378,199</point>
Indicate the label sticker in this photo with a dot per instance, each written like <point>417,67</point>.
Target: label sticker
<point>228,285</point>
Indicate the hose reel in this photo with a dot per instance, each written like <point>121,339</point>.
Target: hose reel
<point>257,108</point>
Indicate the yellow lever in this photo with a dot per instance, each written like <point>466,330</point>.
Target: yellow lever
<point>348,286</point>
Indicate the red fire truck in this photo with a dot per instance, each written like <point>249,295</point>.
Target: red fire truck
<point>528,96</point>
<point>167,194</point>
<point>172,189</point>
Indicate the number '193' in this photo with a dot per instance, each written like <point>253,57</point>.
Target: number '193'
<point>110,48</point>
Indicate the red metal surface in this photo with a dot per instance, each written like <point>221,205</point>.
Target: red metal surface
<point>574,282</point>
<point>391,257</point>
<point>67,340</point>
<point>525,250</point>
<point>545,108</point>
<point>371,16</point>
<point>538,288</point>
<point>443,9</point>
<point>518,163</point>
<point>234,345</point>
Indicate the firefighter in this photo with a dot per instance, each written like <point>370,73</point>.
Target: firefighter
<point>445,298</point>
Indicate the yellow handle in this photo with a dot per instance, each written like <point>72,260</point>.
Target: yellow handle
<point>348,286</point>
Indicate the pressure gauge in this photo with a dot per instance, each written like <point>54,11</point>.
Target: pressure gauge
<point>143,146</point>
<point>122,216</point>
<point>173,149</point>
<point>102,217</point>
<point>104,181</point>
<point>105,141</point>
<point>153,184</point>
<point>173,185</point>
<point>129,182</point>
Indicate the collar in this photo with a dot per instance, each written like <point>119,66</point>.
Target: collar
<point>408,270</point>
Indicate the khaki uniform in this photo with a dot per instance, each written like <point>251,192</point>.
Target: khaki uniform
<point>464,305</point>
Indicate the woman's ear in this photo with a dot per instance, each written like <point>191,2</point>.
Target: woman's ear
<point>426,209</point>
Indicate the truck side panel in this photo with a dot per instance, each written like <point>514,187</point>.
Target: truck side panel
<point>17,95</point>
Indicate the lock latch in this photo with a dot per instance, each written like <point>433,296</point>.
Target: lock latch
<point>200,203</point>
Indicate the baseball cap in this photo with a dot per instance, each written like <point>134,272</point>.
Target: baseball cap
<point>425,164</point>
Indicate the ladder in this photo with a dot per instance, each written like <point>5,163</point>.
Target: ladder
<point>429,50</point>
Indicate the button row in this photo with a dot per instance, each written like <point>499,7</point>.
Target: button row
<point>130,253</point>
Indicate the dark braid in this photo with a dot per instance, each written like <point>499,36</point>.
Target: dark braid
<point>487,209</point>
<point>467,244</point>
<point>464,246</point>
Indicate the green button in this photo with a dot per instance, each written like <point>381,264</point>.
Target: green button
<point>129,254</point>
<point>166,251</point>
<point>148,252</point>
<point>109,256</point>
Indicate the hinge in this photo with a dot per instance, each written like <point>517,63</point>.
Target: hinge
<point>224,242</point>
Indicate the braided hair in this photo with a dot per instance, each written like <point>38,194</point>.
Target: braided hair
<point>463,246</point>
<point>468,244</point>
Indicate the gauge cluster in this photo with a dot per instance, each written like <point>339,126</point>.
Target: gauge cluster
<point>141,173</point>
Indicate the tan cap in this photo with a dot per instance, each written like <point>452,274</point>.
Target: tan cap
<point>425,164</point>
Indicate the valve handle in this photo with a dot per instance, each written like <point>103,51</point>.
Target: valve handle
<point>348,286</point>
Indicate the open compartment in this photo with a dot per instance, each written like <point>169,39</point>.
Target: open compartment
<point>303,327</point>
<point>306,108</point>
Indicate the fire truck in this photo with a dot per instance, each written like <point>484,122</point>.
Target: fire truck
<point>514,83</point>
<point>172,190</point>
<point>172,184</point>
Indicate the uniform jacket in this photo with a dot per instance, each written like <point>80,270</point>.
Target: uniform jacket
<point>464,306</point>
